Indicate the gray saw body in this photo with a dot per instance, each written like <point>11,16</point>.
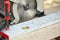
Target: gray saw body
<point>20,13</point>
<point>27,9</point>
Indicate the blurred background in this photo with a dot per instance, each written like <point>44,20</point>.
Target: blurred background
<point>51,6</point>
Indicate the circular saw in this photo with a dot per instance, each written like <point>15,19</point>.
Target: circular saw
<point>17,11</point>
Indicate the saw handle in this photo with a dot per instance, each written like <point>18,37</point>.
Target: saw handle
<point>7,3</point>
<point>7,11</point>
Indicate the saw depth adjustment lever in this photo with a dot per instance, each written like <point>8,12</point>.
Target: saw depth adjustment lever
<point>7,11</point>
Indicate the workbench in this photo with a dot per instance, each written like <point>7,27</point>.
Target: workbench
<point>41,28</point>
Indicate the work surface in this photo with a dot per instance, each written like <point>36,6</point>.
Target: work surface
<point>35,24</point>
